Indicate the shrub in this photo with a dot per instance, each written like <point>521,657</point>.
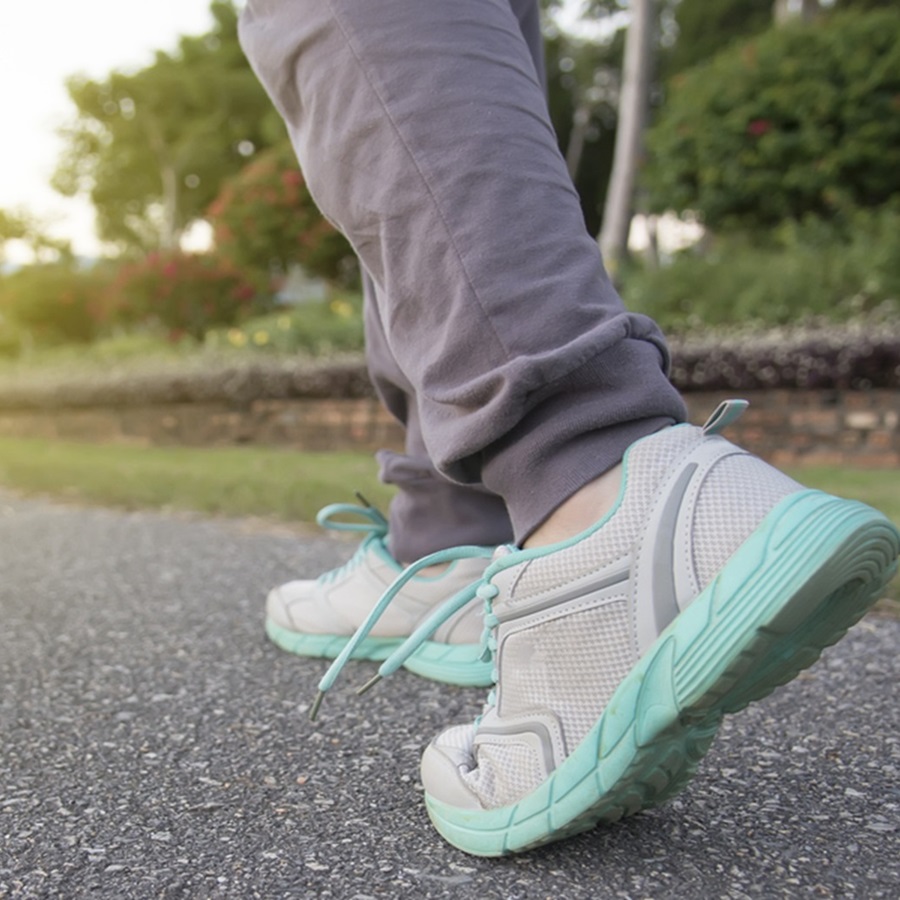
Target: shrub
<point>313,329</point>
<point>186,293</point>
<point>12,342</point>
<point>802,270</point>
<point>265,219</point>
<point>857,355</point>
<point>55,304</point>
<point>800,120</point>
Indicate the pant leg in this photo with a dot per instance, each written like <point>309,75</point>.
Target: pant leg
<point>424,136</point>
<point>430,512</point>
<point>528,15</point>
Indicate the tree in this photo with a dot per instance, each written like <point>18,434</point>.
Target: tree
<point>789,10</point>
<point>12,228</point>
<point>152,148</point>
<point>800,121</point>
<point>20,226</point>
<point>633,102</point>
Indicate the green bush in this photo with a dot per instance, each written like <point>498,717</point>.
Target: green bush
<point>12,341</point>
<point>314,329</point>
<point>803,270</point>
<point>800,120</point>
<point>53,304</point>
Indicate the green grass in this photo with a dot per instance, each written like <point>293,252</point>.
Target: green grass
<point>277,484</point>
<point>240,481</point>
<point>877,487</point>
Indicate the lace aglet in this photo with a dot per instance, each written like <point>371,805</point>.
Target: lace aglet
<point>368,685</point>
<point>314,709</point>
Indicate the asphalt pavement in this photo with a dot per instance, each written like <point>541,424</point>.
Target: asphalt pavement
<point>154,744</point>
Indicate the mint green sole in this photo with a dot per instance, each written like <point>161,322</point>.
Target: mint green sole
<point>458,664</point>
<point>809,572</point>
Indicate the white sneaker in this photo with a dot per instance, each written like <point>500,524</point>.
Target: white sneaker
<point>713,580</point>
<point>316,618</point>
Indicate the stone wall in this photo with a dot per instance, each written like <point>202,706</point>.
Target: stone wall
<point>785,426</point>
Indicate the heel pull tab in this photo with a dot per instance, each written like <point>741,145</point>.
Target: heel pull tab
<point>726,412</point>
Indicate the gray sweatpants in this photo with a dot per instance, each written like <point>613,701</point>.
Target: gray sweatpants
<point>493,331</point>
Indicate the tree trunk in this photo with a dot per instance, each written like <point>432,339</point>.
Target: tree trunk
<point>575,148</point>
<point>169,233</point>
<point>636,66</point>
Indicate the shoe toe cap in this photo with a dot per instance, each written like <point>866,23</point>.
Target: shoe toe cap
<point>284,603</point>
<point>444,762</point>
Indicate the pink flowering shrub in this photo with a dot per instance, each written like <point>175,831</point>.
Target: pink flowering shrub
<point>185,293</point>
<point>265,220</point>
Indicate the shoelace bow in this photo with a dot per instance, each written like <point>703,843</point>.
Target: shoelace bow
<point>375,528</point>
<point>482,588</point>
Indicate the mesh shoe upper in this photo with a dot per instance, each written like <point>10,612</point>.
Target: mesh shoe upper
<point>571,621</point>
<point>338,601</point>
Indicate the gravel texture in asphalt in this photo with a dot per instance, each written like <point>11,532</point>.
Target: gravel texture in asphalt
<point>154,744</point>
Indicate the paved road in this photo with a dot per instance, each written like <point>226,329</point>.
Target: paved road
<point>155,745</point>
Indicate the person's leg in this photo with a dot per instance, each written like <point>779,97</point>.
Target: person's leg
<point>429,512</point>
<point>423,133</point>
<point>706,582</point>
<point>316,617</point>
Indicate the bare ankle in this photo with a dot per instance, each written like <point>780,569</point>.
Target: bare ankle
<point>585,507</point>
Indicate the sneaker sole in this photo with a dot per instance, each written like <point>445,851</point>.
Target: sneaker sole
<point>806,575</point>
<point>458,664</point>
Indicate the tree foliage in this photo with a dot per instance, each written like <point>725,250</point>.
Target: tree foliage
<point>801,120</point>
<point>151,148</point>
<point>706,27</point>
<point>13,226</point>
<point>16,225</point>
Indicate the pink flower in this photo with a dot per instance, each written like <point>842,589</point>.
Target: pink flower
<point>759,127</point>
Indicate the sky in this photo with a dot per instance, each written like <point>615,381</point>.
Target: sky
<point>41,44</point>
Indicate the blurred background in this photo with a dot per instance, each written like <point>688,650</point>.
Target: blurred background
<point>738,161</point>
<point>148,192</point>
